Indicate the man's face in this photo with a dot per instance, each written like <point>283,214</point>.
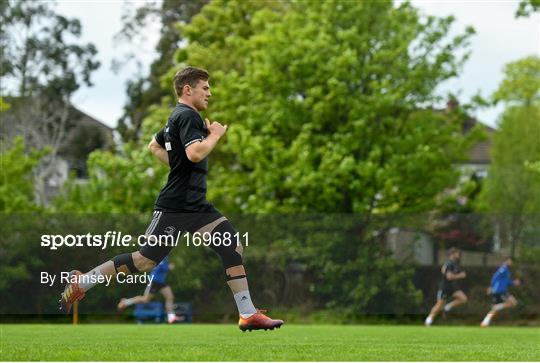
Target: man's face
<point>199,94</point>
<point>509,262</point>
<point>456,256</point>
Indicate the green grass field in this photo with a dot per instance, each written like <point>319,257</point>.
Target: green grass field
<point>292,342</point>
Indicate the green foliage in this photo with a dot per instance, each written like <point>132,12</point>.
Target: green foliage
<point>527,7</point>
<point>36,51</point>
<point>16,182</point>
<point>4,106</point>
<point>329,111</point>
<point>143,92</point>
<point>511,188</point>
<point>357,274</point>
<point>344,125</point>
<point>530,255</point>
<point>521,85</point>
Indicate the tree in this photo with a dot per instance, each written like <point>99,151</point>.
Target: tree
<point>526,7</point>
<point>330,107</point>
<point>146,91</point>
<point>117,179</point>
<point>4,106</point>
<point>16,187</point>
<point>521,84</point>
<point>36,55</point>
<point>512,185</point>
<point>16,182</point>
<point>343,96</point>
<point>40,70</point>
<point>17,198</point>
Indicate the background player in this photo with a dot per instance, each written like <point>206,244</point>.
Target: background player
<point>158,284</point>
<point>449,287</point>
<point>498,289</point>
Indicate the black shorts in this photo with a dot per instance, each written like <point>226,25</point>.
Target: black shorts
<point>500,298</point>
<point>154,287</point>
<point>445,292</point>
<point>170,226</point>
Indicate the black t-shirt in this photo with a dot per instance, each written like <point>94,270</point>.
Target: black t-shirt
<point>450,266</point>
<point>186,186</point>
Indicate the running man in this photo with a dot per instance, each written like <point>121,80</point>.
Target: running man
<point>184,145</point>
<point>498,289</point>
<point>158,284</point>
<point>449,287</point>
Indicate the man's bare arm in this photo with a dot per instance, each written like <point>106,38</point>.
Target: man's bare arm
<point>455,276</point>
<point>199,150</point>
<point>158,151</point>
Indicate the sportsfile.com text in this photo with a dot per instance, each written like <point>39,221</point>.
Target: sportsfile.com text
<point>118,239</point>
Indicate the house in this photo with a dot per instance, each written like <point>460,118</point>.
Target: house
<point>71,134</point>
<point>87,135</point>
<point>84,136</point>
<point>479,155</point>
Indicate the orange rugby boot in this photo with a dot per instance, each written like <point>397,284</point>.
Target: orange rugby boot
<point>258,321</point>
<point>72,292</point>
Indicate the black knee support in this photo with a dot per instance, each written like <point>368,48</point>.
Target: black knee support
<point>123,262</point>
<point>229,278</point>
<point>228,254</point>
